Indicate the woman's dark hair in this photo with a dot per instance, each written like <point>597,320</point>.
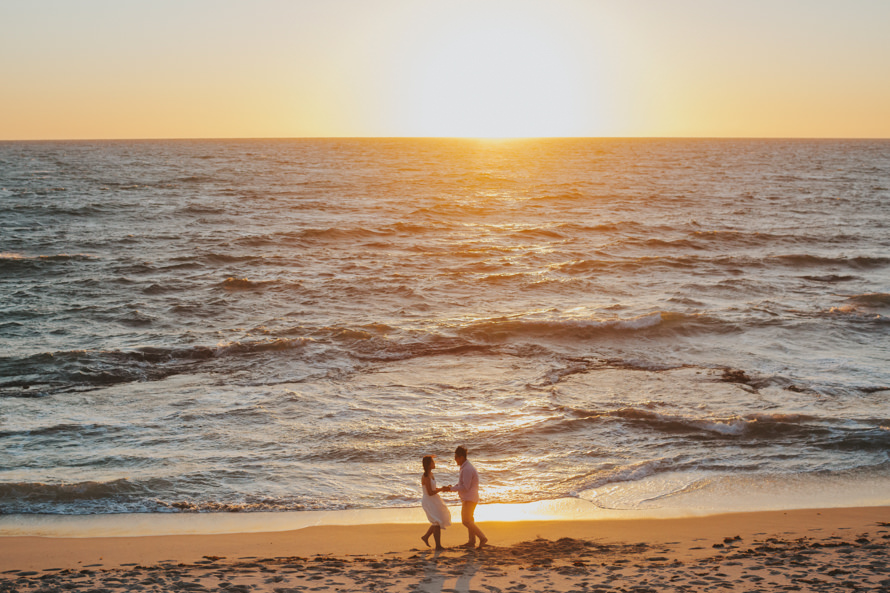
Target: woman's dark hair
<point>427,464</point>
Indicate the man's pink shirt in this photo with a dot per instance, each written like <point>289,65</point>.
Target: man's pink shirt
<point>468,483</point>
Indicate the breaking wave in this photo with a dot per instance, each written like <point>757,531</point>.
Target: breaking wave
<point>129,496</point>
<point>808,261</point>
<point>53,371</point>
<point>505,328</point>
<point>749,426</point>
<point>368,343</point>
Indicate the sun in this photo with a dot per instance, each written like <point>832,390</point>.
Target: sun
<point>494,72</point>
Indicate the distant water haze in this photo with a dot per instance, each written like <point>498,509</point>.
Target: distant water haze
<point>293,324</point>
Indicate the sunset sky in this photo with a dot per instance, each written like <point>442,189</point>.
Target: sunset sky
<point>273,68</point>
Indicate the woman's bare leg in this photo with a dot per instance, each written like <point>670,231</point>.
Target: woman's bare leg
<point>426,536</point>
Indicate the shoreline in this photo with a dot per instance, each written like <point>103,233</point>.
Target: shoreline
<point>220,523</point>
<point>722,496</point>
<point>392,554</point>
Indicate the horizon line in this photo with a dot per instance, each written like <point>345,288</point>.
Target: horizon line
<point>478,138</point>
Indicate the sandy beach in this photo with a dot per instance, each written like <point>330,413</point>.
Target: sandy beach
<point>802,550</point>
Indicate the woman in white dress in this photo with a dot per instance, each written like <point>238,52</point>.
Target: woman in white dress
<point>435,509</point>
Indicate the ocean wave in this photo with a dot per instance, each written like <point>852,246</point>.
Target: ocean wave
<point>120,495</point>
<point>725,239</point>
<point>383,350</point>
<point>538,233</point>
<point>64,430</point>
<point>164,288</point>
<point>869,307</point>
<point>803,260</point>
<point>607,262</point>
<point>575,229</point>
<point>831,278</point>
<point>202,209</point>
<point>613,258</point>
<point>680,424</point>
<point>129,496</point>
<point>136,496</point>
<point>611,474</point>
<point>16,261</point>
<point>337,234</point>
<point>311,236</point>
<point>506,328</point>
<point>875,439</point>
<point>61,209</point>
<point>560,191</point>
<point>656,244</point>
<point>66,491</point>
<point>457,211</point>
<point>232,283</point>
<point>136,319</point>
<point>215,258</point>
<point>682,476</point>
<point>856,314</point>
<point>731,238</point>
<point>251,347</point>
<point>189,179</point>
<point>871,299</point>
<point>373,342</point>
<point>758,425</point>
<point>54,371</point>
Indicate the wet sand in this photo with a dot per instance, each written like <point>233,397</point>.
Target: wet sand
<point>803,550</point>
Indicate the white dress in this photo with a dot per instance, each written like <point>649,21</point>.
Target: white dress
<point>435,508</point>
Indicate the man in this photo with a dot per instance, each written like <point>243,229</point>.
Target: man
<point>468,488</point>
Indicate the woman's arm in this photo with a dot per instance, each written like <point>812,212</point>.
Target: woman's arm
<point>428,485</point>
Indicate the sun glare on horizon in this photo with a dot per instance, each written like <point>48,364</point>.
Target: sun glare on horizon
<point>497,75</point>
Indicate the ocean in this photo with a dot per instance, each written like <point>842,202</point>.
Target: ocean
<point>290,325</point>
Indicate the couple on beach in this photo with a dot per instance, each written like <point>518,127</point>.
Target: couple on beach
<point>467,488</point>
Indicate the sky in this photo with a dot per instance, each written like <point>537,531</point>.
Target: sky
<point>108,69</point>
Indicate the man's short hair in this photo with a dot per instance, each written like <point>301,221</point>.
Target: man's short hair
<point>461,452</point>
